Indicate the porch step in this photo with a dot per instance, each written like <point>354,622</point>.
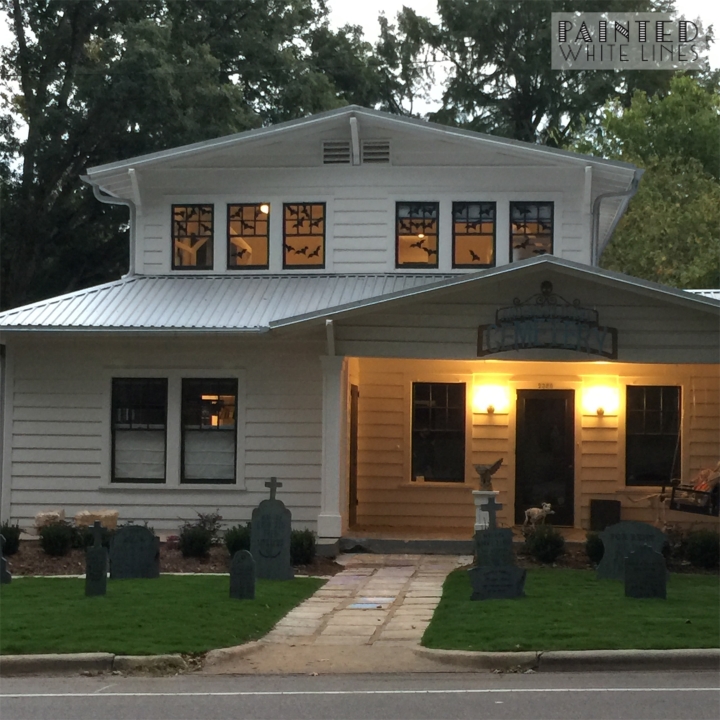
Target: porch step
<point>394,546</point>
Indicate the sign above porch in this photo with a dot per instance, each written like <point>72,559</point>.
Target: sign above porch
<point>546,320</point>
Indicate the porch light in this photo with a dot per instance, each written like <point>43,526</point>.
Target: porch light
<point>491,399</point>
<point>600,400</point>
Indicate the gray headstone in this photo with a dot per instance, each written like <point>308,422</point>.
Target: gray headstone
<point>622,539</point>
<point>497,583</point>
<point>645,574</point>
<point>270,537</point>
<point>242,576</point>
<point>96,564</point>
<point>494,548</point>
<point>5,576</point>
<point>134,553</point>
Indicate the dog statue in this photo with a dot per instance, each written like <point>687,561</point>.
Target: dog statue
<point>486,472</point>
<point>536,515</point>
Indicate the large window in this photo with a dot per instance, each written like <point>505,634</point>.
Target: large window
<point>652,454</point>
<point>304,235</point>
<point>531,229</point>
<point>209,433</point>
<point>139,419</point>
<point>438,432</point>
<point>192,237</point>
<point>416,234</point>
<point>473,234</point>
<point>248,236</point>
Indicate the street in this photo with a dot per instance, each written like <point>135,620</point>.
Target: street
<point>616,696</point>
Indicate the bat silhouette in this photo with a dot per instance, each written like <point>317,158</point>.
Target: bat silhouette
<point>240,253</point>
<point>474,256</point>
<point>205,228</point>
<point>181,228</point>
<point>487,212</point>
<point>418,244</point>
<point>291,210</point>
<point>302,250</point>
<point>315,252</point>
<point>539,251</point>
<point>430,252</point>
<point>544,226</point>
<point>289,248</point>
<point>237,213</point>
<point>192,214</point>
<point>246,225</point>
<point>316,223</point>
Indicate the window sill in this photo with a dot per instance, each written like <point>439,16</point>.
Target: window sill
<point>431,484</point>
<point>162,487</point>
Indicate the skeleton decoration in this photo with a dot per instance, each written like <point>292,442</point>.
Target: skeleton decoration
<point>486,472</point>
<point>536,515</point>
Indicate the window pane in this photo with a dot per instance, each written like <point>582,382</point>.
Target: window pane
<point>531,229</point>
<point>139,455</point>
<point>248,235</point>
<point>192,236</point>
<point>304,235</point>
<point>416,226</point>
<point>473,234</point>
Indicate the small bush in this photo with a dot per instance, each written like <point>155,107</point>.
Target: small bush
<point>11,533</point>
<point>594,548</point>
<point>57,538</point>
<point>237,538</point>
<point>545,543</point>
<point>195,540</point>
<point>302,547</point>
<point>83,537</point>
<point>702,548</point>
<point>211,523</point>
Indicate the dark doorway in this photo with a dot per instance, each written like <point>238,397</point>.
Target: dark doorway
<point>352,492</point>
<point>545,453</point>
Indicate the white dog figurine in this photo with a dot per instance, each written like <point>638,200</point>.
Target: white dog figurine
<point>536,515</point>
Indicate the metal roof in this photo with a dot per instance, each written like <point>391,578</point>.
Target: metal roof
<point>709,292</point>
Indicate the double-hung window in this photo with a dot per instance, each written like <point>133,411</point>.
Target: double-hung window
<point>304,235</point>
<point>247,226</point>
<point>531,229</point>
<point>192,237</point>
<point>416,234</point>
<point>473,234</point>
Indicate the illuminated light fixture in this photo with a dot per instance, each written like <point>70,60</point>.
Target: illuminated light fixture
<point>600,400</point>
<point>491,399</point>
<point>421,235</point>
<point>265,208</point>
<point>215,398</point>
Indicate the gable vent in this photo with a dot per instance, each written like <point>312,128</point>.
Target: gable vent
<point>376,151</point>
<point>336,152</point>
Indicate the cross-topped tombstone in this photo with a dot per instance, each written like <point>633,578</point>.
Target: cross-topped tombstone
<point>270,537</point>
<point>494,548</point>
<point>491,507</point>
<point>134,553</point>
<point>96,564</point>
<point>242,576</point>
<point>645,574</point>
<point>5,576</point>
<point>620,540</point>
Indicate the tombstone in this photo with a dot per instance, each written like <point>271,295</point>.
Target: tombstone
<point>242,576</point>
<point>491,507</point>
<point>497,583</point>
<point>494,548</point>
<point>96,564</point>
<point>134,553</point>
<point>622,539</point>
<point>645,574</point>
<point>270,537</point>
<point>5,576</point>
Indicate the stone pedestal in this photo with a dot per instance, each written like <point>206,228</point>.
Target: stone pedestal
<point>480,497</point>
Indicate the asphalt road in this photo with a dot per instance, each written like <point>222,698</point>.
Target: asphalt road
<point>578,696</point>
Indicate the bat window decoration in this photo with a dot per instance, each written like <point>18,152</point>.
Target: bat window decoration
<point>531,229</point>
<point>304,235</point>
<point>416,234</point>
<point>248,236</point>
<point>192,237</point>
<point>473,234</point>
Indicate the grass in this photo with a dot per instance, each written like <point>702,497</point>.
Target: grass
<point>172,614</point>
<point>571,610</point>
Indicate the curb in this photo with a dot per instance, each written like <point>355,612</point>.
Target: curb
<point>481,660</point>
<point>215,657</point>
<point>88,663</point>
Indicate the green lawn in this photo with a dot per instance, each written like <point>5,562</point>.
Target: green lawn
<point>140,617</point>
<point>571,610</point>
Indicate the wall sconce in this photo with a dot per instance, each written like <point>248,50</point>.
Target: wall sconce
<point>600,400</point>
<point>491,399</point>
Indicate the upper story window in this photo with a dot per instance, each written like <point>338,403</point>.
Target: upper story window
<point>247,228</point>
<point>304,235</point>
<point>192,237</point>
<point>473,234</point>
<point>416,234</point>
<point>531,229</point>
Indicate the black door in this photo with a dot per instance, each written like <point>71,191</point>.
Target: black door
<point>545,453</point>
<point>352,509</point>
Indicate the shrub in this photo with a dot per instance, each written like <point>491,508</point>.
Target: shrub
<point>11,533</point>
<point>302,547</point>
<point>594,548</point>
<point>211,523</point>
<point>57,538</point>
<point>237,538</point>
<point>83,537</point>
<point>195,540</point>
<point>702,548</point>
<point>544,543</point>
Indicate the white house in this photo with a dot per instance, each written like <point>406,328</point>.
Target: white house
<point>364,306</point>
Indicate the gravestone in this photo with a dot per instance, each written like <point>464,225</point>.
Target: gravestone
<point>494,548</point>
<point>497,583</point>
<point>96,564</point>
<point>645,574</point>
<point>242,576</point>
<point>5,576</point>
<point>134,553</point>
<point>270,537</point>
<point>622,539</point>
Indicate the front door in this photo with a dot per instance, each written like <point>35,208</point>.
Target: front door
<point>545,453</point>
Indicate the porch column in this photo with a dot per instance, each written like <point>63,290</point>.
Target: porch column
<point>329,523</point>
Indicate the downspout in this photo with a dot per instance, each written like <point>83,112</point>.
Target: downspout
<point>627,194</point>
<point>110,200</point>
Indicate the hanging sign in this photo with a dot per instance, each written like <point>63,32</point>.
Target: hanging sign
<point>547,321</point>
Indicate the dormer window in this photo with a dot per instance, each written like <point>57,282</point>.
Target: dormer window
<point>531,229</point>
<point>192,237</point>
<point>304,235</point>
<point>416,234</point>
<point>248,236</point>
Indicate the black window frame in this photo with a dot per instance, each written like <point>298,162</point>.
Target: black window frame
<point>538,203</point>
<point>650,423</point>
<point>210,236</point>
<point>417,204</point>
<point>210,381</point>
<point>116,381</point>
<point>230,246</point>
<point>456,206</point>
<point>285,236</point>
